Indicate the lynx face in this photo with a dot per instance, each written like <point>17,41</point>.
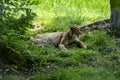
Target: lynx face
<point>76,30</point>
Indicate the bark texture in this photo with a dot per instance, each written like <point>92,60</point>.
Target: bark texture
<point>115,17</point>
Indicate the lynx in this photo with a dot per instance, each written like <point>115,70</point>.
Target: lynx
<point>60,39</point>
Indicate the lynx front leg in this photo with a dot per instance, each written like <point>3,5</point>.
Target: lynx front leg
<point>80,43</point>
<point>61,45</point>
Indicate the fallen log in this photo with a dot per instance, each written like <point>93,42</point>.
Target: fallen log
<point>101,25</point>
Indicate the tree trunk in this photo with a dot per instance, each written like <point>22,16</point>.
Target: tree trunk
<point>115,17</point>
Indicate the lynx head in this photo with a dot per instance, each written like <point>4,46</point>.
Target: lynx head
<point>75,30</point>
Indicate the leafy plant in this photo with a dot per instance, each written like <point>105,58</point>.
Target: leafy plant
<point>15,17</point>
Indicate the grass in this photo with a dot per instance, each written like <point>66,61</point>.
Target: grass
<point>59,14</point>
<point>76,74</point>
<point>86,73</point>
<point>99,62</point>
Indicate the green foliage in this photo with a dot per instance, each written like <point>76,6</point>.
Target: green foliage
<point>15,17</point>
<point>98,39</point>
<point>76,74</point>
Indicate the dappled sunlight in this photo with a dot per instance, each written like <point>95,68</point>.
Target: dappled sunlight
<point>77,11</point>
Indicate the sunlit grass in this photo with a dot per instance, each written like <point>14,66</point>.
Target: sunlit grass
<point>62,13</point>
